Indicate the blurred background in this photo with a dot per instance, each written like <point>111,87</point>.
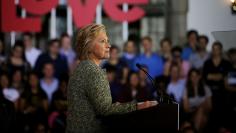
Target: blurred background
<point>187,46</point>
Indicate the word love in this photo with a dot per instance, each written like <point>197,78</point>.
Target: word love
<point>83,12</point>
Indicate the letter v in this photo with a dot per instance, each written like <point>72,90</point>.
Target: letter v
<point>83,14</point>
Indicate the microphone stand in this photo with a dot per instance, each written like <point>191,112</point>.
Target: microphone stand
<point>160,97</point>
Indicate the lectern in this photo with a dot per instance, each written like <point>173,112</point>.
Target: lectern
<point>163,117</point>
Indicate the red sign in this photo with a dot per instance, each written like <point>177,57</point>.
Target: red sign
<point>83,13</point>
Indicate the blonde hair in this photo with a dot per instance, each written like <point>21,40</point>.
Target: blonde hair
<point>85,37</point>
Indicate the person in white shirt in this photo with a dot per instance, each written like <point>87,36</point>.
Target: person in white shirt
<point>31,53</point>
<point>66,49</point>
<point>8,92</point>
<point>176,86</point>
<point>49,83</point>
<point>198,58</point>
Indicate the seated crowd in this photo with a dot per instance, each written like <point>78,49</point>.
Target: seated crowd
<point>202,82</point>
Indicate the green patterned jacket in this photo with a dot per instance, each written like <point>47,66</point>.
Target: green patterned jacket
<point>88,97</point>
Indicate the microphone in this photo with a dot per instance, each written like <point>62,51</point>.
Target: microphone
<point>160,97</point>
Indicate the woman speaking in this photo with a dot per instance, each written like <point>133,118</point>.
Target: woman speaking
<point>88,89</point>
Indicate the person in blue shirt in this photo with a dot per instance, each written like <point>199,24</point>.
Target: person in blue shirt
<point>130,53</point>
<point>191,45</point>
<point>201,55</point>
<point>52,55</point>
<point>150,59</point>
<point>165,49</point>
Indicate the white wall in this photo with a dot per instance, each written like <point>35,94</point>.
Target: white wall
<point>207,16</point>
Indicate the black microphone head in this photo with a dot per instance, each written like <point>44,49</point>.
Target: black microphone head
<point>138,65</point>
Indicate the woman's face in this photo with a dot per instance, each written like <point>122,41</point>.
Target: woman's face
<point>216,50</point>
<point>166,47</point>
<point>18,52</point>
<point>4,81</point>
<point>177,56</point>
<point>174,72</point>
<point>134,80</point>
<point>130,47</point>
<point>17,76</point>
<point>194,77</point>
<point>101,47</point>
<point>33,80</point>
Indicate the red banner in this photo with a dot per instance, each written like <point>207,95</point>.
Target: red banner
<point>112,10</point>
<point>38,7</point>
<point>83,13</point>
<point>11,22</point>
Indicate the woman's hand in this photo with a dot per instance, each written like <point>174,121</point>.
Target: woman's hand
<point>146,104</point>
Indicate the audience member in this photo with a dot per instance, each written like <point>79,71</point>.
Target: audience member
<point>150,59</point>
<point>17,60</point>
<point>52,55</point>
<point>191,45</point>
<point>176,58</point>
<point>197,100</point>
<point>161,92</point>
<point>120,66</point>
<point>133,91</point>
<point>230,82</point>
<point>17,81</point>
<point>166,46</point>
<point>7,115</point>
<point>33,103</point>
<point>215,70</point>
<point>9,93</point>
<point>198,58</point>
<point>177,85</point>
<point>57,118</point>
<point>59,97</point>
<point>115,84</point>
<point>31,52</point>
<point>49,82</point>
<point>129,54</point>
<point>67,51</point>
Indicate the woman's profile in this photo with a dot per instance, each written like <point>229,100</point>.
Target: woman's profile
<point>88,89</point>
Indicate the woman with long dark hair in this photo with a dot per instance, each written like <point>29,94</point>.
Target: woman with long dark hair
<point>33,104</point>
<point>17,60</point>
<point>196,100</point>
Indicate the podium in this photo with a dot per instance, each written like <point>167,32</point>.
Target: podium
<point>163,117</point>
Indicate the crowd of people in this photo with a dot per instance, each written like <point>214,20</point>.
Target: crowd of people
<point>202,82</point>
